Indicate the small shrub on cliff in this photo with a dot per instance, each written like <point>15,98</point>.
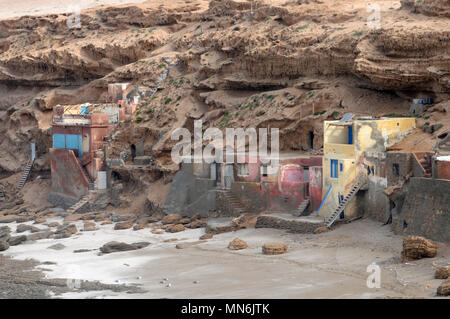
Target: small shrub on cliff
<point>358,33</point>
<point>301,27</point>
<point>138,119</point>
<point>335,115</point>
<point>225,120</point>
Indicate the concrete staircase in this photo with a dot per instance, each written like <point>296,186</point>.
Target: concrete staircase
<point>424,160</point>
<point>334,215</point>
<point>25,174</point>
<point>301,208</point>
<point>75,207</point>
<point>91,182</point>
<point>234,203</point>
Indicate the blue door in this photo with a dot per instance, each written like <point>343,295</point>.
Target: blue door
<point>59,141</point>
<point>350,135</point>
<point>68,141</point>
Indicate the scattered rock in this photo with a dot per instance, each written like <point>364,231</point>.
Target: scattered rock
<point>186,245</point>
<point>157,232</point>
<point>170,240</point>
<point>206,236</point>
<point>72,218</point>
<point>82,250</point>
<point>17,240</point>
<point>40,220</point>
<point>58,246</point>
<point>322,229</point>
<point>176,228</point>
<point>166,227</point>
<point>89,226</point>
<point>35,229</point>
<point>444,288</point>
<point>40,235</point>
<point>121,218</point>
<point>5,233</point>
<point>196,216</point>
<point>198,223</point>
<point>114,246</point>
<point>171,219</point>
<point>88,216</point>
<point>106,223</point>
<point>123,225</point>
<point>416,247</point>
<point>184,221</point>
<point>22,227</point>
<point>100,218</point>
<point>8,219</point>
<point>156,217</point>
<point>274,248</point>
<point>244,221</point>
<point>3,245</point>
<point>53,224</point>
<point>237,244</point>
<point>65,231</point>
<point>442,272</point>
<point>141,224</point>
<point>23,219</point>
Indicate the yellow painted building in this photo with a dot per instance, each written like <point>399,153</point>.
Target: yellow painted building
<point>344,163</point>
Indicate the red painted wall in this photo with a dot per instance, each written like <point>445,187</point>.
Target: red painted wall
<point>315,187</point>
<point>67,176</point>
<point>443,169</point>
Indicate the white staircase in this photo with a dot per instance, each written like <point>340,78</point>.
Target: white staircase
<point>334,215</point>
<point>25,174</point>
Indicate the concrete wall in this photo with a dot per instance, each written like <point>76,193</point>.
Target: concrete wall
<point>68,180</point>
<point>425,210</point>
<point>402,161</point>
<point>188,194</point>
<point>251,195</point>
<point>374,202</point>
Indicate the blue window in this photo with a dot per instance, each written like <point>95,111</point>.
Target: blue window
<point>334,168</point>
<point>350,135</point>
<point>341,167</point>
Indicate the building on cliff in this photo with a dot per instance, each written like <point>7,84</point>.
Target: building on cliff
<point>231,188</point>
<point>354,164</point>
<point>78,134</point>
<point>418,183</point>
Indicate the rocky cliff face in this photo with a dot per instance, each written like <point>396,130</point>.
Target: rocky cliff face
<point>285,64</point>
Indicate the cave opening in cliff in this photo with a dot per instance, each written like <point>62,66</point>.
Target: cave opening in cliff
<point>116,176</point>
<point>311,139</point>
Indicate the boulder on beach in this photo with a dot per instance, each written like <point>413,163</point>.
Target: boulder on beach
<point>274,248</point>
<point>237,244</point>
<point>115,246</point>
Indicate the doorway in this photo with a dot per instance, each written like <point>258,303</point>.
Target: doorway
<point>133,152</point>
